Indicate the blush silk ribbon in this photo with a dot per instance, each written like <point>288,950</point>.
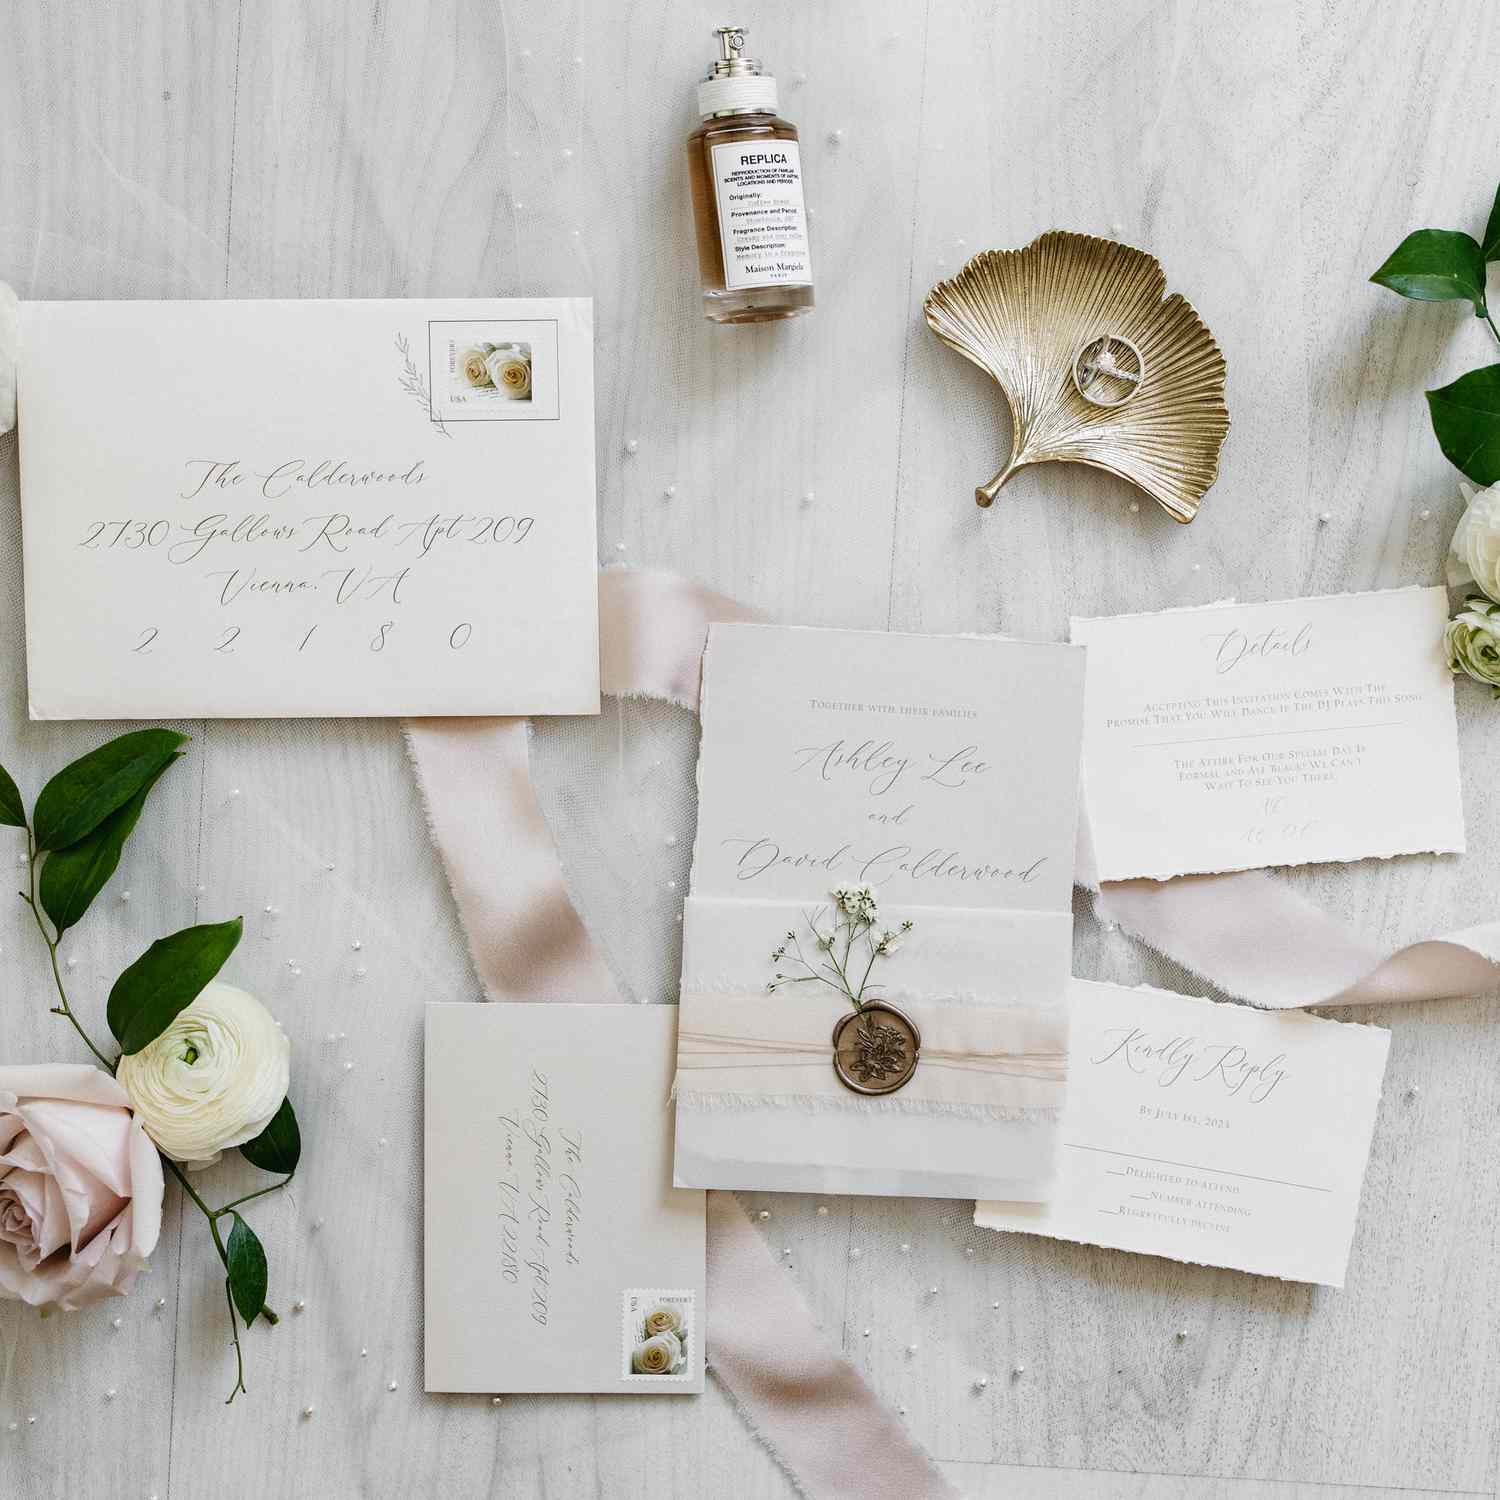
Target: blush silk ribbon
<point>1247,934</point>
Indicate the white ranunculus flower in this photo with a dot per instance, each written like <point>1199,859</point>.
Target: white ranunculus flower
<point>661,1354</point>
<point>510,372</point>
<point>1474,555</point>
<point>1471,643</point>
<point>212,1079</point>
<point>472,363</point>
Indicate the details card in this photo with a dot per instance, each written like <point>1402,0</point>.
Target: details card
<point>1210,1133</point>
<point>1241,735</point>
<point>559,1257</point>
<point>280,509</point>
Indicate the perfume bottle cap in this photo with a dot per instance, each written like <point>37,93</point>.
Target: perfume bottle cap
<point>735,83</point>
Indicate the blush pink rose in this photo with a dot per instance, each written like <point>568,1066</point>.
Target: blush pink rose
<point>80,1187</point>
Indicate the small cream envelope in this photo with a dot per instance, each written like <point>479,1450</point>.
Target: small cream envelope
<point>559,1257</point>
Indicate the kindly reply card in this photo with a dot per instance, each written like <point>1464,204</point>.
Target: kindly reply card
<point>559,1257</point>
<point>932,780</point>
<point>1241,735</point>
<point>1211,1133</point>
<point>280,509</point>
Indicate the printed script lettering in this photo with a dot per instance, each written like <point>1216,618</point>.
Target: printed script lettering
<point>899,781</point>
<point>1174,1060</point>
<point>1232,647</point>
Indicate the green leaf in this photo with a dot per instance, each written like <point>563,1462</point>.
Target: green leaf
<point>248,1274</point>
<point>1491,248</point>
<point>72,877</point>
<point>81,796</point>
<point>1466,419</point>
<point>166,979</point>
<point>278,1148</point>
<point>12,809</point>
<point>1436,265</point>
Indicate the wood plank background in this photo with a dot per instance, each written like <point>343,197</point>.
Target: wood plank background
<point>1270,153</point>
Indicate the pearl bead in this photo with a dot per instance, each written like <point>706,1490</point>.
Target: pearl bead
<point>110,1394</point>
<point>360,971</point>
<point>234,791</point>
<point>822,1210</point>
<point>300,1305</point>
<point>633,446</point>
<point>1197,567</point>
<point>348,1067</point>
<point>911,1348</point>
<point>867,1333</point>
<point>1324,517</point>
<point>808,497</point>
<point>786,1249</point>
<point>317,1225</point>
<point>567,153</point>
<point>124,895</point>
<point>1181,1334</point>
<point>308,1412</point>
<point>1135,507</point>
<point>765,1214</point>
<point>906,1249</point>
<point>670,490</point>
<point>1425,515</point>
<point>902,1410</point>
<point>835,137</point>
<point>357,944</point>
<point>364,1353</point>
<point>391,1386</point>
<point>115,1324</point>
<point>31,1421</point>
<point>382,1140</point>
<point>494,1401</point>
<point>932,1291</point>
<point>982,1383</point>
<point>72,963</point>
<point>995,1306</point>
<point>1019,1371</point>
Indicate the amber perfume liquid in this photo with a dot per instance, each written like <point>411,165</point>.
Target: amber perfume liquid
<point>749,214</point>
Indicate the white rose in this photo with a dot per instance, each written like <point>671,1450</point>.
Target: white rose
<point>510,373</point>
<point>213,1078</point>
<point>472,363</point>
<point>661,1354</point>
<point>1474,555</point>
<point>663,1319</point>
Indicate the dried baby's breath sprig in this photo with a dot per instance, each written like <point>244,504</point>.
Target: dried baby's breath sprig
<point>846,935</point>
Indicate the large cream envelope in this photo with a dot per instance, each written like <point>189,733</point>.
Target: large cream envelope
<point>282,509</point>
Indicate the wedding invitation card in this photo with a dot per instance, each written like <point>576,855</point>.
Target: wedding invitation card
<point>888,818</point>
<point>559,1257</point>
<point>1241,735</point>
<point>1211,1133</point>
<point>276,509</point>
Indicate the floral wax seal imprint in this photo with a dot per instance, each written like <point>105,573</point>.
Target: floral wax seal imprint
<point>875,1050</point>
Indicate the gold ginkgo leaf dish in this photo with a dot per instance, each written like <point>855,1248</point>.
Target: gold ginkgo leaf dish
<point>1097,365</point>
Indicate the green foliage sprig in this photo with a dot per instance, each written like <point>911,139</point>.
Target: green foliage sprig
<point>1447,265</point>
<point>75,836</point>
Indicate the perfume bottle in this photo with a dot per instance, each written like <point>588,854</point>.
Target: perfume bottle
<point>745,168</point>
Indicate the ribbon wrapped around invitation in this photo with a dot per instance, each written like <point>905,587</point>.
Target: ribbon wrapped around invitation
<point>971,981</point>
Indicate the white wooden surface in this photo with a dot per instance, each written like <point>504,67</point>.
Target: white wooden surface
<point>1270,153</point>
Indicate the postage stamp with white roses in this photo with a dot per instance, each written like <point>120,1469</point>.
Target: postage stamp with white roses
<point>482,370</point>
<point>658,1334</point>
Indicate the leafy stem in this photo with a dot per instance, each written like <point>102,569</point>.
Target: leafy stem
<point>53,941</point>
<point>854,928</point>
